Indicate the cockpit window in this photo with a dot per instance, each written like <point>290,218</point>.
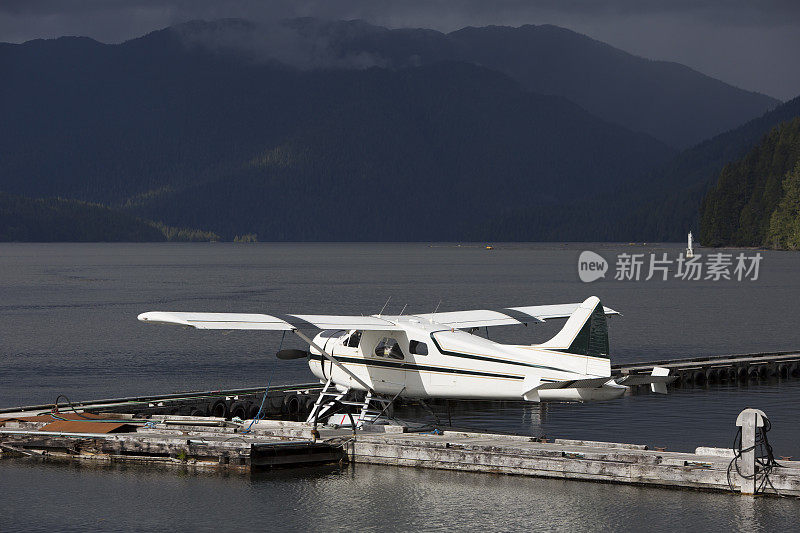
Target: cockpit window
<point>418,348</point>
<point>388,347</point>
<point>335,333</point>
<point>354,340</point>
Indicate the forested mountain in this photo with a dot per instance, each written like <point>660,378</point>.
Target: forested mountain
<point>57,220</point>
<point>310,130</point>
<point>669,101</point>
<point>194,137</point>
<point>659,205</point>
<point>754,202</point>
<point>53,219</point>
<point>664,204</point>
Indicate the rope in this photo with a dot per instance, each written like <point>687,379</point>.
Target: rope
<point>764,459</point>
<point>54,413</point>
<point>266,390</point>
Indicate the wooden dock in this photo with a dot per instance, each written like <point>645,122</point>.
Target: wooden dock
<point>706,469</point>
<point>191,442</point>
<point>209,443</point>
<point>180,429</point>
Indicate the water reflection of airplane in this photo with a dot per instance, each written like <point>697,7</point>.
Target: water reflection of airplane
<point>438,355</point>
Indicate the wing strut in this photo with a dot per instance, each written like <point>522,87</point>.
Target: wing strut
<point>333,360</point>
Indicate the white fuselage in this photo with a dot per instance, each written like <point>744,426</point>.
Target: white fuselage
<point>421,359</point>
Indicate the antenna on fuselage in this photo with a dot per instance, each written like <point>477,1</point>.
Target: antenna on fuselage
<point>434,311</point>
<point>384,305</point>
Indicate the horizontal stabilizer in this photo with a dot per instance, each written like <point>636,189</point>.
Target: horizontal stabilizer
<point>644,379</point>
<point>658,380</point>
<point>532,385</point>
<point>589,383</point>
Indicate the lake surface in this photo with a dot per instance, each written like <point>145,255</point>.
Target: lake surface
<point>69,327</point>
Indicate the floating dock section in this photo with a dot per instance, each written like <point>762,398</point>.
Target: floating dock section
<point>193,442</point>
<point>706,469</point>
<point>288,401</point>
<point>737,368</point>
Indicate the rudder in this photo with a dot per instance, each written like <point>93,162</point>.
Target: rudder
<point>585,333</point>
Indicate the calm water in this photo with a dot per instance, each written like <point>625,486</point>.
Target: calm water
<point>69,326</point>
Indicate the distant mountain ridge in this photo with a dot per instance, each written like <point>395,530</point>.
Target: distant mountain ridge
<point>198,137</point>
<point>667,100</point>
<point>357,132</point>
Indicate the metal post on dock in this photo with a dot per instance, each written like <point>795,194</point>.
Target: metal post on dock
<point>749,420</point>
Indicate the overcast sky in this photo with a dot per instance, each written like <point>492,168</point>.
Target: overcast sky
<point>753,44</point>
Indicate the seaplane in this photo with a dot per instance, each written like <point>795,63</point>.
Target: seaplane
<point>439,355</point>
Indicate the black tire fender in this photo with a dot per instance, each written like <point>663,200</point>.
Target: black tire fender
<point>252,409</point>
<point>291,405</point>
<point>219,409</point>
<point>240,409</point>
<point>306,404</point>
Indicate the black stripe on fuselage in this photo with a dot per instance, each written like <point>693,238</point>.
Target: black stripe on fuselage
<point>492,359</point>
<point>400,365</point>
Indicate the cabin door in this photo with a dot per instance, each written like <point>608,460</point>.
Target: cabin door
<point>387,363</point>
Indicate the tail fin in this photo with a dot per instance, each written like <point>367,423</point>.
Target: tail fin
<point>585,333</point>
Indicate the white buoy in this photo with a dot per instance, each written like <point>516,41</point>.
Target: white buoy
<point>689,249</point>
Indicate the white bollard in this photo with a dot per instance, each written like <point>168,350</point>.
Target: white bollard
<point>749,420</point>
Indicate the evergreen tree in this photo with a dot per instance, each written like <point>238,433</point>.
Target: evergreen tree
<point>738,210</point>
<point>784,226</point>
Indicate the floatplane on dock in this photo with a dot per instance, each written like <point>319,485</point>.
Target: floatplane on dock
<point>437,355</point>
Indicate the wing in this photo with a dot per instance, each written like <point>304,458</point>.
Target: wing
<point>505,317</point>
<point>267,322</point>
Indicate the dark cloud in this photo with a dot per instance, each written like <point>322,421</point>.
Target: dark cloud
<point>752,44</point>
<point>273,41</point>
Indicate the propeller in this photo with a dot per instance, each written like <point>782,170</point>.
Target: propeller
<point>292,354</point>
